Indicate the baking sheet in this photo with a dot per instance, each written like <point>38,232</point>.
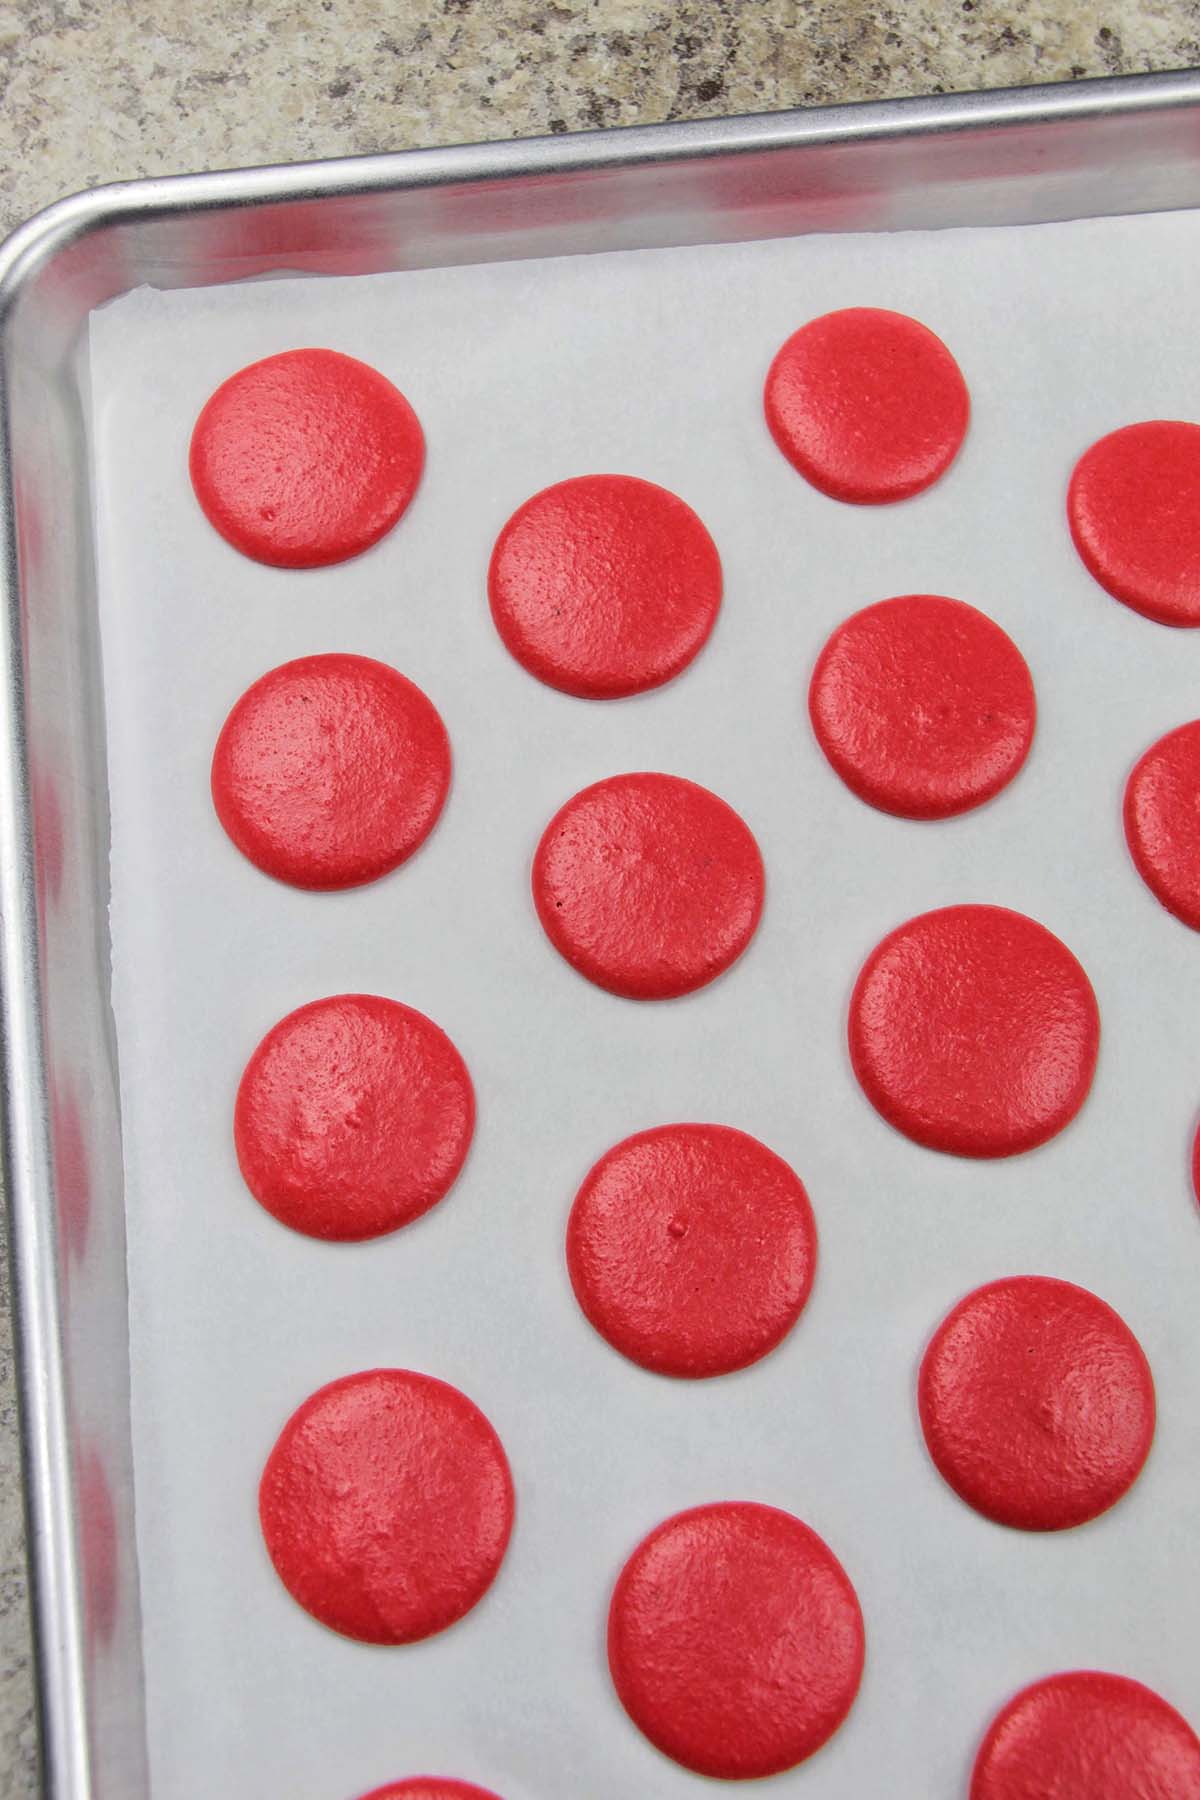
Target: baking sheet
<point>649,363</point>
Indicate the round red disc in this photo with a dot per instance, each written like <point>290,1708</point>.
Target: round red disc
<point>1162,821</point>
<point>353,1117</point>
<point>735,1640</point>
<point>430,1787</point>
<point>306,458</point>
<point>692,1249</point>
<point>330,771</point>
<point>974,1030</point>
<point>1037,1403</point>
<point>648,885</point>
<point>386,1506</point>
<point>1134,511</point>
<point>605,585</point>
<point>869,405</point>
<point>923,706</point>
<point>1088,1736</point>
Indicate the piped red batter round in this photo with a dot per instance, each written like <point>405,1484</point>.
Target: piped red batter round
<point>923,706</point>
<point>1133,507</point>
<point>306,458</point>
<point>430,1787</point>
<point>354,1117</point>
<point>735,1640</point>
<point>331,771</point>
<point>387,1505</point>
<point>974,1030</point>
<point>692,1249</point>
<point>1085,1735</point>
<point>1162,821</point>
<point>648,884</point>
<point>1037,1403</point>
<point>869,405</point>
<point>605,585</point>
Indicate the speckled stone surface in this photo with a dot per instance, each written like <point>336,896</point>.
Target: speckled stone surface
<point>98,90</point>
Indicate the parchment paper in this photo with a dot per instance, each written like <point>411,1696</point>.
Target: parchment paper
<point>649,363</point>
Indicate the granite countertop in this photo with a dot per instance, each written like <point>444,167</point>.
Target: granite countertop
<point>94,92</point>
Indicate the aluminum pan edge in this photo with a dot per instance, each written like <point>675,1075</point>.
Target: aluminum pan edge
<point>54,1585</point>
<point>179,254</point>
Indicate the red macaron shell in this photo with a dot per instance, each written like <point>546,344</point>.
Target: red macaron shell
<point>691,1249</point>
<point>430,1787</point>
<point>648,884</point>
<point>306,458</point>
<point>1162,821</point>
<point>605,585</point>
<point>331,771</point>
<point>387,1505</point>
<point>1037,1403</point>
<point>923,705</point>
<point>974,1030</point>
<point>735,1640</point>
<point>353,1117</point>
<point>1085,1735</point>
<point>1133,507</point>
<point>867,404</point>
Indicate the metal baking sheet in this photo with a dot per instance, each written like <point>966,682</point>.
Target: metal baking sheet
<point>1013,157</point>
<point>652,363</point>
